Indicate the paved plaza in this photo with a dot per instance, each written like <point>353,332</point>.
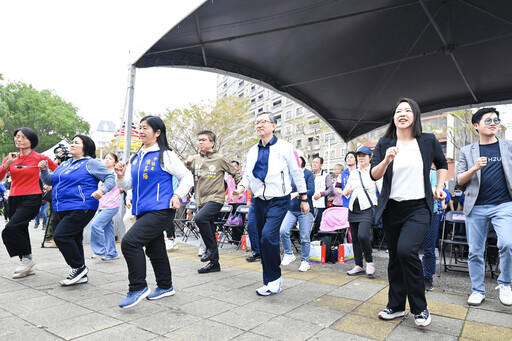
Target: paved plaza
<point>321,304</point>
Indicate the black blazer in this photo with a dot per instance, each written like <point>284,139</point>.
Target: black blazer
<point>431,151</point>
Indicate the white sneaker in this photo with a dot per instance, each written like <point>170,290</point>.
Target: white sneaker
<point>273,287</point>
<point>287,259</point>
<point>476,298</point>
<point>171,244</point>
<point>505,294</point>
<point>25,265</point>
<point>304,266</point>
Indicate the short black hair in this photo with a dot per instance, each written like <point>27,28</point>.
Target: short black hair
<point>416,124</point>
<point>353,153</point>
<point>302,162</point>
<point>477,116</point>
<point>30,134</point>
<point>234,161</point>
<point>321,159</point>
<point>89,147</point>
<point>211,134</point>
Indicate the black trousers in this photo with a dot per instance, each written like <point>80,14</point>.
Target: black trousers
<point>148,232</point>
<point>21,210</point>
<point>68,235</point>
<point>405,224</point>
<point>360,232</point>
<point>205,220</point>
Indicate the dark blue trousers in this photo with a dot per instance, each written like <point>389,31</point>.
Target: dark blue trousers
<point>269,215</point>
<point>252,230</point>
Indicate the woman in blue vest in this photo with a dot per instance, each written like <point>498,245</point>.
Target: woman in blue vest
<point>75,196</point>
<point>154,202</point>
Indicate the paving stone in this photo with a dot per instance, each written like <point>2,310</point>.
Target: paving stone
<point>126,331</point>
<point>8,284</point>
<point>285,328</point>
<point>273,304</point>
<point>100,303</point>
<point>336,303</point>
<point>447,309</point>
<point>494,318</point>
<point>406,333</point>
<point>165,321</point>
<point>479,331</point>
<point>318,315</point>
<point>248,336</point>
<point>32,304</point>
<point>206,307</point>
<point>62,312</point>
<point>440,324</point>
<point>205,330</point>
<point>331,334</point>
<point>239,297</point>
<point>368,327</point>
<point>81,325</point>
<point>23,294</point>
<point>14,328</point>
<point>306,292</point>
<point>358,290</point>
<point>243,318</point>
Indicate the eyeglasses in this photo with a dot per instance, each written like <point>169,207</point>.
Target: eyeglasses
<point>261,122</point>
<point>488,121</point>
<point>20,137</point>
<point>202,140</point>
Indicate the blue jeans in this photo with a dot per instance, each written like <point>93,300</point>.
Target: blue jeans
<point>476,227</point>
<point>429,246</point>
<point>103,241</point>
<point>42,213</point>
<point>252,230</point>
<point>305,225</point>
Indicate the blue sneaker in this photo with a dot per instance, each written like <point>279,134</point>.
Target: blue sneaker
<point>134,297</point>
<point>159,293</point>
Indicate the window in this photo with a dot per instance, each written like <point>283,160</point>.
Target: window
<point>299,143</point>
<point>310,141</point>
<point>299,112</point>
<point>288,131</point>
<point>253,88</point>
<point>240,95</point>
<point>288,115</point>
<point>260,97</point>
<point>330,138</point>
<point>225,85</point>
<point>253,101</point>
<point>240,84</point>
<point>278,119</point>
<point>276,105</point>
<point>260,110</point>
<point>299,128</point>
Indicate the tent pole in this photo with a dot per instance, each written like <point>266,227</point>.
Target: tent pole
<point>128,113</point>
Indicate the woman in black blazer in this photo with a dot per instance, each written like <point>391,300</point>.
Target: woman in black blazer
<point>403,156</point>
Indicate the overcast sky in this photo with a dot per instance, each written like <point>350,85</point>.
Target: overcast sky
<point>81,50</point>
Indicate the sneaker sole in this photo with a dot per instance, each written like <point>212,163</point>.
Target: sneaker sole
<point>23,274</point>
<point>75,280</point>
<point>391,318</point>
<point>426,323</point>
<point>357,273</point>
<point>143,296</point>
<point>169,293</point>
<point>25,270</point>
<point>476,304</point>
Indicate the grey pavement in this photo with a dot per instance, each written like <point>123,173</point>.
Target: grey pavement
<point>321,304</point>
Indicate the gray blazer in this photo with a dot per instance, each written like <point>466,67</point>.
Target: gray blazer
<point>468,156</point>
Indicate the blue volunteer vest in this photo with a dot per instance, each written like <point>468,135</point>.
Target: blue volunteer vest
<point>73,186</point>
<point>152,186</point>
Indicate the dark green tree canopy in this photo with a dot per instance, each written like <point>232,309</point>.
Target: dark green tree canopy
<point>52,118</point>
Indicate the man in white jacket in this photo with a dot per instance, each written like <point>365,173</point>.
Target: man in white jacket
<point>271,164</point>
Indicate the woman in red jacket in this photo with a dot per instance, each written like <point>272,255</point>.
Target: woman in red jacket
<point>24,197</point>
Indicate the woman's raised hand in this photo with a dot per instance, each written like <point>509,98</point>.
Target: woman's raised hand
<point>120,169</point>
<point>43,165</point>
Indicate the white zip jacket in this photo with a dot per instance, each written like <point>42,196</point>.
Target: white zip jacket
<point>282,167</point>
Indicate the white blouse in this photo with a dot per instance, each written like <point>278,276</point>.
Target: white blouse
<point>407,182</point>
<point>354,183</point>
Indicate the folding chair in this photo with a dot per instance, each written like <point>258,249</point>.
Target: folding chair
<point>180,220</point>
<point>456,242</point>
<point>228,229</point>
<point>190,225</point>
<point>221,220</point>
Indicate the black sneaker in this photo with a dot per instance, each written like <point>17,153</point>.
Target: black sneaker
<point>390,314</point>
<point>253,258</point>
<point>75,274</point>
<point>428,284</point>
<point>423,319</point>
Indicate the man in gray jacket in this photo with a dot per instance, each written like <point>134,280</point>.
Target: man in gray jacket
<point>486,167</point>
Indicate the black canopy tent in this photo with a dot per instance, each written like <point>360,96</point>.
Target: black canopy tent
<point>350,60</point>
